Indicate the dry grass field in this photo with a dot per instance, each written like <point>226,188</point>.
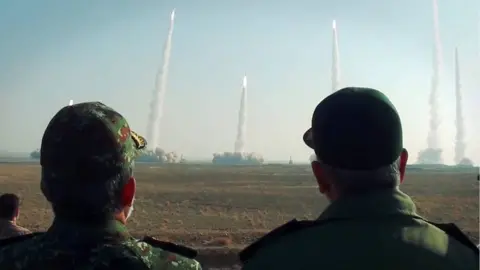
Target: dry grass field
<point>221,209</point>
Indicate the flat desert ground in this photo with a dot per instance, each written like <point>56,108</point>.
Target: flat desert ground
<point>219,210</point>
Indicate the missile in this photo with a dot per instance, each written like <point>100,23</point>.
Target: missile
<point>70,103</point>
<point>478,35</point>
<point>457,72</point>
<point>335,58</point>
<point>172,16</point>
<point>244,84</point>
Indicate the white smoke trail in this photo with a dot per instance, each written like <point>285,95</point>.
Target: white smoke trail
<point>156,105</point>
<point>70,103</point>
<point>460,145</point>
<point>432,140</point>
<point>478,37</point>
<point>335,59</point>
<point>242,120</point>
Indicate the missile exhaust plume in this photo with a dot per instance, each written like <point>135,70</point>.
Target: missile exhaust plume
<point>156,104</point>
<point>70,103</point>
<point>242,119</point>
<point>434,124</point>
<point>335,59</point>
<point>433,153</point>
<point>459,121</point>
<point>478,36</point>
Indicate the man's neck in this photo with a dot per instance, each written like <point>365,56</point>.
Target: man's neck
<point>9,220</point>
<point>82,231</point>
<point>84,222</point>
<point>358,193</point>
<point>120,217</point>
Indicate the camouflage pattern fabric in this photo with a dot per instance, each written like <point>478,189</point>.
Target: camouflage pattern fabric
<point>94,136</point>
<point>83,145</point>
<point>71,246</point>
<point>92,131</point>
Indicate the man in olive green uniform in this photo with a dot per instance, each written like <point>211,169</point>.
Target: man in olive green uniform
<point>370,224</point>
<point>87,158</point>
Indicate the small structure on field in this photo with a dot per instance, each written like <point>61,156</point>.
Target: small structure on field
<point>232,158</point>
<point>160,156</point>
<point>35,154</point>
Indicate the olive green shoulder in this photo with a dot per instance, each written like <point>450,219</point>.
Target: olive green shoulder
<point>453,231</point>
<point>287,228</point>
<point>17,239</point>
<point>294,226</point>
<point>184,251</point>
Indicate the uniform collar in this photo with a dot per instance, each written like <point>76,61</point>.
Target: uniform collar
<point>376,204</point>
<point>67,229</point>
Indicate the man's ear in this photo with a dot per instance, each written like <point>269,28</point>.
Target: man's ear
<point>318,172</point>
<point>128,193</point>
<point>403,164</point>
<point>45,191</point>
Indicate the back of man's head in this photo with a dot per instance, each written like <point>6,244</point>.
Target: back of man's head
<point>9,204</point>
<point>87,155</point>
<point>356,133</point>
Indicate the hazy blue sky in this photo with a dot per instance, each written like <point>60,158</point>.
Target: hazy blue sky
<point>110,50</point>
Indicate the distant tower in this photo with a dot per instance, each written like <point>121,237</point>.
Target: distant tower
<point>242,119</point>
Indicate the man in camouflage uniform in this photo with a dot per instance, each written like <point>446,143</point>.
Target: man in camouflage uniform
<point>370,224</point>
<point>87,159</point>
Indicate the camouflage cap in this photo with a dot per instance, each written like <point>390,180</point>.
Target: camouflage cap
<point>356,129</point>
<point>88,141</point>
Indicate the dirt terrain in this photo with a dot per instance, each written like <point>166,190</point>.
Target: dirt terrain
<point>219,210</point>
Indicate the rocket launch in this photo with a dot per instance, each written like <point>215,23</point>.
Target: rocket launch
<point>478,36</point>
<point>459,121</point>
<point>156,105</point>
<point>239,155</point>
<point>432,140</point>
<point>433,153</point>
<point>335,59</point>
<point>242,119</point>
<point>433,102</point>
